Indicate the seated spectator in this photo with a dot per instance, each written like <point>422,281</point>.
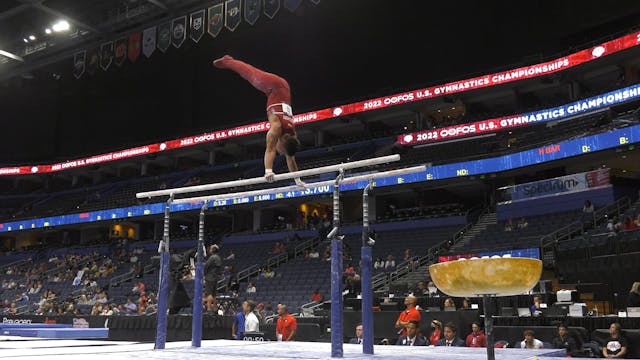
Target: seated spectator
<point>277,249</point>
<point>634,295</point>
<point>130,307</point>
<point>378,264</point>
<point>350,271</point>
<point>449,304</point>
<point>268,274</point>
<point>530,341</point>
<point>564,341</point>
<point>97,309</point>
<point>314,254</point>
<point>267,311</point>
<point>412,338</point>
<point>251,289</point>
<point>536,308</point>
<point>477,337</point>
<point>433,290</point>
<point>316,296</point>
<point>107,311</point>
<point>450,338</point>
<point>629,224</point>
<point>408,255</point>
<point>13,310</point>
<point>466,304</point>
<point>617,345</point>
<point>138,288</point>
<point>358,338</point>
<point>522,224</point>
<point>390,264</point>
<point>509,225</point>
<point>588,207</point>
<point>421,289</point>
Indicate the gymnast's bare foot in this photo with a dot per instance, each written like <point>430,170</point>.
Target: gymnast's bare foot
<point>222,62</point>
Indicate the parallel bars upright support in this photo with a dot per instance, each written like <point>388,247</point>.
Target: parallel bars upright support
<point>163,285</point>
<point>367,268</point>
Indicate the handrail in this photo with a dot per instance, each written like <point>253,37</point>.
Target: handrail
<point>406,267</point>
<point>566,231</point>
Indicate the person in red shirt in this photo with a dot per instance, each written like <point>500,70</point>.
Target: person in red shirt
<point>317,296</point>
<point>281,136</point>
<point>286,325</point>
<point>436,332</point>
<point>409,314</point>
<point>476,338</point>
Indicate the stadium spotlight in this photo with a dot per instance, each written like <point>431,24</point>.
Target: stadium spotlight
<point>47,31</point>
<point>61,25</point>
<point>25,40</point>
<point>32,37</point>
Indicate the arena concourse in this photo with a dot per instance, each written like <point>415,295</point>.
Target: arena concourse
<point>527,150</point>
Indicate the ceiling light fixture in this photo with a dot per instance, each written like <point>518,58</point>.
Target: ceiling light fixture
<point>32,37</point>
<point>47,31</point>
<point>61,25</point>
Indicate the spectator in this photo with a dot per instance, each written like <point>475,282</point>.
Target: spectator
<point>379,264</point>
<point>286,325</point>
<point>13,310</point>
<point>409,314</point>
<point>390,264</point>
<point>251,289</point>
<point>358,338</point>
<point>530,342</point>
<point>588,207</point>
<point>408,255</point>
<point>634,295</point>
<point>130,307</point>
<point>97,309</point>
<point>564,341</point>
<point>477,337</point>
<point>277,249</point>
<point>237,327</point>
<point>268,311</point>
<point>421,289</point>
<point>449,304</point>
<point>629,224</point>
<point>268,274</point>
<point>450,338</point>
<point>251,322</point>
<point>466,304</point>
<point>509,225</point>
<point>617,345</point>
<point>350,271</point>
<point>433,290</point>
<point>107,311</point>
<point>317,296</point>
<point>412,338</point>
<point>536,308</point>
<point>314,254</point>
<point>522,224</point>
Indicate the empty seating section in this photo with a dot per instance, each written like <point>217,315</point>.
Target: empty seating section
<point>496,236</point>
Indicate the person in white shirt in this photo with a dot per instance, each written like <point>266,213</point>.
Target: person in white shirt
<point>251,289</point>
<point>530,341</point>
<point>251,322</point>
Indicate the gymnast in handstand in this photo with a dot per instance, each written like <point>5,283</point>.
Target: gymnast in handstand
<point>281,137</point>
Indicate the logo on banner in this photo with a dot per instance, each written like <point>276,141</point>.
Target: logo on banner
<point>164,36</point>
<point>216,15</point>
<point>121,51</point>
<point>178,31</point>
<point>79,63</point>
<point>232,14</point>
<point>271,8</point>
<point>106,55</point>
<point>196,22</point>
<point>252,10</point>
<point>93,61</point>
<point>134,47</point>
<point>292,5</point>
<point>149,41</point>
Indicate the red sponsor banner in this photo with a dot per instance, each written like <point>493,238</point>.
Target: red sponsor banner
<point>504,77</point>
